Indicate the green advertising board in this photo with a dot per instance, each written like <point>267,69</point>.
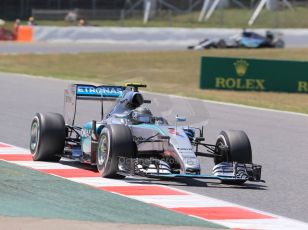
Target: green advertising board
<point>254,74</point>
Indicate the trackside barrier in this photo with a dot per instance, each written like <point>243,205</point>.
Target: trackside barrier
<point>254,75</point>
<point>24,34</point>
<point>186,36</point>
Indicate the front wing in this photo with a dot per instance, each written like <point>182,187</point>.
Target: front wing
<point>231,172</point>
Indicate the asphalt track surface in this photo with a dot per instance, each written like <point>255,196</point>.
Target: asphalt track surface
<point>82,47</point>
<point>279,141</point>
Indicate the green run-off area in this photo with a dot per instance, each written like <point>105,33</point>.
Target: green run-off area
<point>28,193</point>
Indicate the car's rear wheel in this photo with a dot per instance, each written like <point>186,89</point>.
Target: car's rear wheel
<point>234,146</point>
<point>47,137</point>
<point>115,144</point>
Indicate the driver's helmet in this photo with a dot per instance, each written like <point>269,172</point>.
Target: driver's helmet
<point>142,115</point>
<point>269,34</point>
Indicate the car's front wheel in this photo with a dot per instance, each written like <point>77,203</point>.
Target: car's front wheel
<point>115,144</point>
<point>233,146</point>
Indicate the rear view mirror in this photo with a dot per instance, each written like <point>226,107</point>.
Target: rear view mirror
<point>180,119</point>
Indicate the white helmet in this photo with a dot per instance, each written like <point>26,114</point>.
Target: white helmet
<point>142,115</point>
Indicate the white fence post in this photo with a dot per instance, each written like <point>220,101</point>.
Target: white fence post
<point>212,9</point>
<point>147,8</point>
<point>204,9</point>
<point>257,12</point>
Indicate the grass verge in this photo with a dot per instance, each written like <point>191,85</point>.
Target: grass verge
<point>166,72</point>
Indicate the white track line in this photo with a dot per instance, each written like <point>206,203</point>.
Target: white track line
<point>192,200</point>
<point>100,182</point>
<point>42,165</point>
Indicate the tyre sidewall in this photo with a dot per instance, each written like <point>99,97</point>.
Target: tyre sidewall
<point>120,145</point>
<point>221,139</point>
<point>36,152</point>
<point>105,168</point>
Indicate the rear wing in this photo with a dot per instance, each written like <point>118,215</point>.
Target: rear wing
<point>102,92</point>
<point>77,92</point>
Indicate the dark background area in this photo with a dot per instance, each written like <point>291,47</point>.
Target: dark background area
<point>12,9</point>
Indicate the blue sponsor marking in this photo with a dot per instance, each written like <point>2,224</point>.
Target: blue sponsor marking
<point>251,42</point>
<point>99,91</point>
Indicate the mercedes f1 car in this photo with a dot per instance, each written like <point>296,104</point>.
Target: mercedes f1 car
<point>130,141</point>
<point>243,40</point>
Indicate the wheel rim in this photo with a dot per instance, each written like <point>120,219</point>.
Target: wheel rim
<point>103,149</point>
<point>221,142</point>
<point>35,136</point>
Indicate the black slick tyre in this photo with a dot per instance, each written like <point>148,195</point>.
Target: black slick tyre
<point>115,143</point>
<point>47,139</point>
<point>238,147</point>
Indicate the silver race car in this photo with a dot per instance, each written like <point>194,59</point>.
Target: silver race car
<point>246,39</point>
<point>129,140</point>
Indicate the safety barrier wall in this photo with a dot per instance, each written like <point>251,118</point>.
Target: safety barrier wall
<point>187,36</point>
<point>124,34</point>
<point>254,75</point>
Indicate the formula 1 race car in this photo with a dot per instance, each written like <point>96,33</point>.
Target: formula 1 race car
<point>243,40</point>
<point>130,141</point>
